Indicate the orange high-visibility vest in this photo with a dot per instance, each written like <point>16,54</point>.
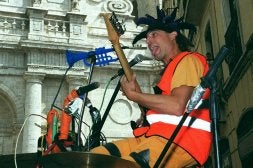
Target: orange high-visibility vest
<point>195,135</point>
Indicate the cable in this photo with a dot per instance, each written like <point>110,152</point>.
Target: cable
<point>103,138</point>
<point>41,144</point>
<point>84,124</point>
<point>108,83</point>
<point>16,145</point>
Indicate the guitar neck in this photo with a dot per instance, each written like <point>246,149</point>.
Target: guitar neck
<point>123,61</point>
<point>114,38</point>
<point>127,70</point>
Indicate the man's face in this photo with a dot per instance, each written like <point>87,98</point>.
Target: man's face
<point>160,44</point>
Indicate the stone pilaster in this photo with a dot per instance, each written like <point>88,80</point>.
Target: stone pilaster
<point>32,106</point>
<point>77,28</point>
<point>36,19</point>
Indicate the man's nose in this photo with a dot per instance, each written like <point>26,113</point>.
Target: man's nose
<point>148,40</point>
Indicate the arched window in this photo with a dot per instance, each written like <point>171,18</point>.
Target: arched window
<point>245,138</point>
<point>6,125</point>
<point>233,38</point>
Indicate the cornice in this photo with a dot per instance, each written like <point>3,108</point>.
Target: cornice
<point>32,77</point>
<point>55,70</point>
<point>54,45</point>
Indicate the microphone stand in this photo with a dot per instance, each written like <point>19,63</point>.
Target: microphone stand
<point>79,132</point>
<point>101,123</point>
<point>214,109</point>
<point>57,93</point>
<point>208,81</point>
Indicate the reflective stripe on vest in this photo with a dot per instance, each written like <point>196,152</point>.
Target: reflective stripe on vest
<point>172,119</point>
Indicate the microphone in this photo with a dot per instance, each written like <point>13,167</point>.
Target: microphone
<point>138,58</point>
<point>85,89</point>
<point>94,112</point>
<point>75,106</point>
<point>196,97</point>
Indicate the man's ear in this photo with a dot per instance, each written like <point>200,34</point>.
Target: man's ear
<point>173,35</point>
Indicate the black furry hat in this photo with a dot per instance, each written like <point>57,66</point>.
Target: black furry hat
<point>163,22</point>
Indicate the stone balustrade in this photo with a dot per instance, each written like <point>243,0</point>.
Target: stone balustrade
<point>15,28</point>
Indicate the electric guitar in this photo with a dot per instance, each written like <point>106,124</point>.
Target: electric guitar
<point>115,30</point>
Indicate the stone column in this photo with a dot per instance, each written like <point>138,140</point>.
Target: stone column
<point>32,130</point>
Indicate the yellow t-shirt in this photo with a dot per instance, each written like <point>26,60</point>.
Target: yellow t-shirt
<point>188,72</point>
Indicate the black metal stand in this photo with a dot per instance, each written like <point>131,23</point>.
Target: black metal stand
<point>91,140</point>
<point>215,119</point>
<point>209,81</point>
<point>62,80</point>
<point>79,132</point>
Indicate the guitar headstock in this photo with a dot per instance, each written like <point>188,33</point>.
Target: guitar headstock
<point>114,27</point>
<point>116,24</point>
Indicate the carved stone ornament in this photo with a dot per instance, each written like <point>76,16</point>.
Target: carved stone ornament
<point>122,112</point>
<point>119,6</point>
<point>75,5</point>
<point>36,3</point>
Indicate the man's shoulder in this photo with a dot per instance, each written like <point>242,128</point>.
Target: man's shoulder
<point>195,54</point>
<point>192,56</point>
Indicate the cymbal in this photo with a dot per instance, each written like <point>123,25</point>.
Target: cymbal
<point>84,160</point>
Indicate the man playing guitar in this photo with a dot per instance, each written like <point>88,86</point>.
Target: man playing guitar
<point>183,72</point>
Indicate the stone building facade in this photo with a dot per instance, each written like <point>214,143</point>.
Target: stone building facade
<point>34,38</point>
<point>227,22</point>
